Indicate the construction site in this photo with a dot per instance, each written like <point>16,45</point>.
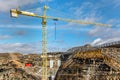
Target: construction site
<point>78,63</point>
<point>92,63</point>
<point>83,62</point>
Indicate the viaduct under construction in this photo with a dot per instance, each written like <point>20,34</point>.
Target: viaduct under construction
<point>91,63</point>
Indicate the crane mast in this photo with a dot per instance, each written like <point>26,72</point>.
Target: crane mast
<point>15,12</point>
<point>44,46</point>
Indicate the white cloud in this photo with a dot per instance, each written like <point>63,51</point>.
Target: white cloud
<point>100,41</point>
<point>38,10</point>
<point>118,25</point>
<point>116,3</point>
<point>20,47</point>
<point>87,12</point>
<point>114,22</point>
<point>97,41</point>
<point>91,12</point>
<point>39,27</point>
<point>25,48</point>
<point>6,5</point>
<point>2,37</point>
<point>106,32</point>
<point>106,35</point>
<point>113,3</point>
<point>73,27</point>
<point>44,1</point>
<point>21,26</point>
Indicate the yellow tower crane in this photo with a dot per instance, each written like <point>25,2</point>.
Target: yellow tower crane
<point>15,12</point>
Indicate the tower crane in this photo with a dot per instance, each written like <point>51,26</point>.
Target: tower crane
<point>15,12</point>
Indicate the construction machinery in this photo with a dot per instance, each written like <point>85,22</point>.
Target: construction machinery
<point>15,12</point>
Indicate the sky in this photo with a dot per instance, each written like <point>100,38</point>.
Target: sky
<point>24,34</point>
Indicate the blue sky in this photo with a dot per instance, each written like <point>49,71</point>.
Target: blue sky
<point>23,34</point>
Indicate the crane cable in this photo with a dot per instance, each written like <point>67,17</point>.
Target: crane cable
<point>55,30</point>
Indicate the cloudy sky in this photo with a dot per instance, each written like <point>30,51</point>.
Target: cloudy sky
<point>23,34</point>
